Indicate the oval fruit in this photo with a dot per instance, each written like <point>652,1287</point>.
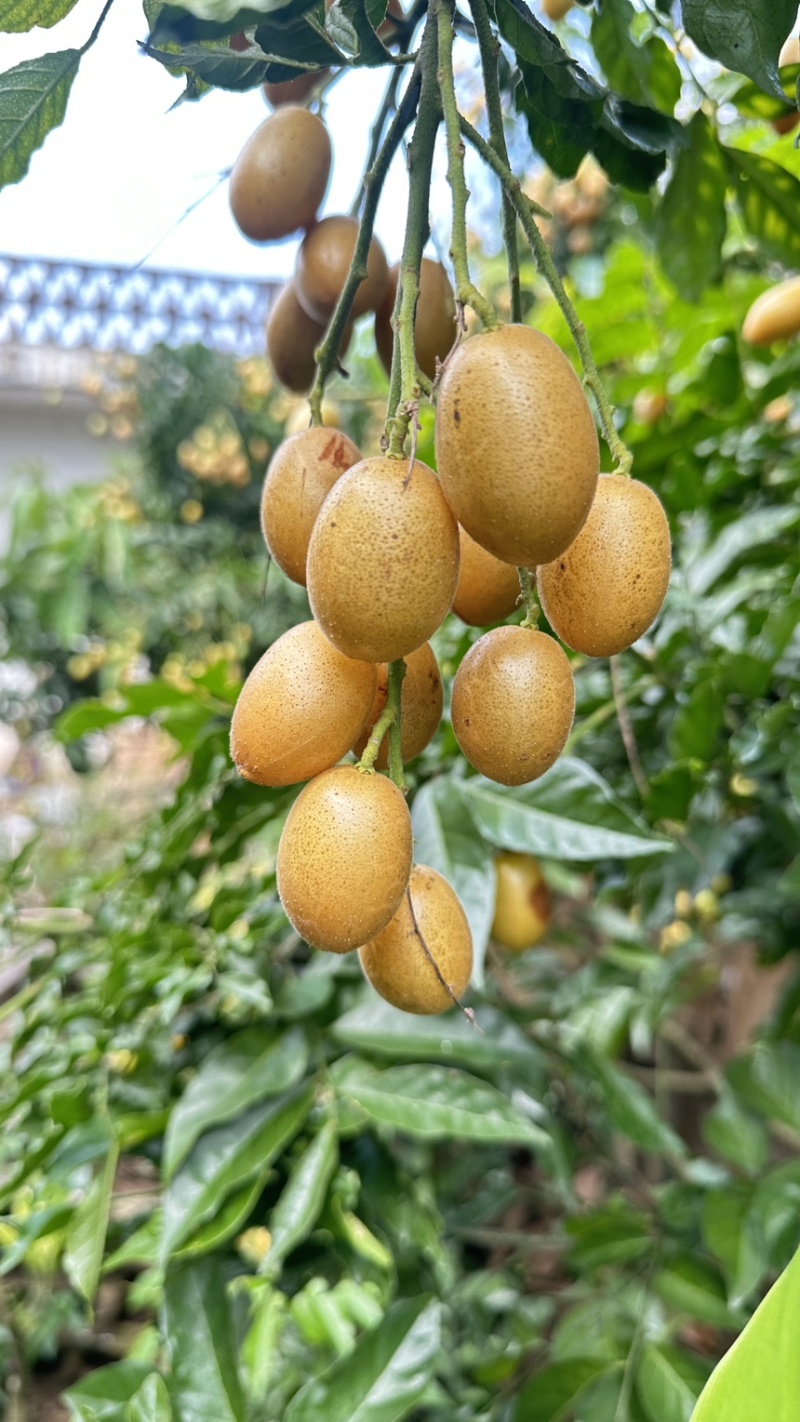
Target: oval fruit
<point>300,709</point>
<point>279,179</point>
<point>422,961</point>
<point>435,325</point>
<point>523,905</point>
<point>421,703</point>
<point>774,315</point>
<point>557,9</point>
<point>516,445</point>
<point>513,704</point>
<point>487,590</point>
<point>301,474</point>
<point>323,263</point>
<point>294,91</point>
<point>383,560</point>
<point>604,592</point>
<point>344,858</point>
<point>292,338</point>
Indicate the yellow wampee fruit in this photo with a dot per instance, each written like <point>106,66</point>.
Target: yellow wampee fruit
<point>513,704</point>
<point>608,587</point>
<point>430,924</point>
<point>383,560</point>
<point>301,474</point>
<point>300,709</point>
<point>523,904</point>
<point>323,263</point>
<point>279,179</point>
<point>516,445</point>
<point>344,858</point>
<point>294,91</point>
<point>557,9</point>
<point>292,338</point>
<point>774,315</point>
<point>435,325</point>
<point>487,589</point>
<point>421,703</point>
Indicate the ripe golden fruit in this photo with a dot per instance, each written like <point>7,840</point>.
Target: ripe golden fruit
<point>557,9</point>
<point>294,91</point>
<point>397,963</point>
<point>487,589</point>
<point>513,704</point>
<point>774,315</point>
<point>435,326</point>
<point>421,702</point>
<point>516,445</point>
<point>301,474</point>
<point>344,858</point>
<point>279,179</point>
<point>523,905</point>
<point>292,338</point>
<point>383,560</point>
<point>608,587</point>
<point>300,709</point>
<point>323,263</point>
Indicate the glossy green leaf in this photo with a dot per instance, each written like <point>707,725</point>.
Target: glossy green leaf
<point>434,1103</point>
<point>633,1111</point>
<point>382,1030</point>
<point>696,1289</point>
<point>744,35</point>
<point>446,839</point>
<point>759,1377</point>
<point>384,1377</point>
<point>698,184</point>
<point>239,1073</point>
<point>151,1403</point>
<point>645,73</point>
<point>736,1134</point>
<point>767,1077</point>
<point>83,1253</point>
<point>348,24</point>
<point>667,1383</point>
<point>302,1198</point>
<point>768,196</point>
<point>17,16</point>
<point>199,1329</point>
<point>33,101</point>
<point>227,1221</point>
<point>732,1236</point>
<point>552,1393</point>
<point>708,561</point>
<point>101,1395</point>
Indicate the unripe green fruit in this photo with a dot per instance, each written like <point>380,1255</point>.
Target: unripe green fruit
<point>292,338</point>
<point>488,590</point>
<point>608,587</point>
<point>344,858</point>
<point>513,704</point>
<point>396,961</point>
<point>301,474</point>
<point>516,446</point>
<point>300,709</point>
<point>279,179</point>
<point>421,702</point>
<point>323,263</point>
<point>383,560</point>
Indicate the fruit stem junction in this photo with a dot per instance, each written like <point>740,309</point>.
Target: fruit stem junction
<point>525,210</point>
<point>489,47</point>
<point>370,753</point>
<point>528,599</point>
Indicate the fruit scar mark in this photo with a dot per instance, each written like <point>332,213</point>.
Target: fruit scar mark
<point>334,454</point>
<point>467,1011</point>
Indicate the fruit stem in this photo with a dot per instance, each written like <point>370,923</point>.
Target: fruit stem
<point>397,671</point>
<point>370,755</point>
<point>466,293</point>
<point>405,388</point>
<point>327,353</point>
<point>528,598</point>
<point>525,212</point>
<point>489,46</point>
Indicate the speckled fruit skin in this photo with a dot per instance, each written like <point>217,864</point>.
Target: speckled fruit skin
<point>421,703</point>
<point>435,326</point>
<point>523,903</point>
<point>609,586</point>
<point>292,338</point>
<point>513,704</point>
<point>294,91</point>
<point>300,709</point>
<point>774,315</point>
<point>396,963</point>
<point>323,262</point>
<point>516,446</point>
<point>383,560</point>
<point>344,858</point>
<point>280,177</point>
<point>487,589</point>
<point>301,474</point>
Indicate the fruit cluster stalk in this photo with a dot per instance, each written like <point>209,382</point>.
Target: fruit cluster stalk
<point>489,47</point>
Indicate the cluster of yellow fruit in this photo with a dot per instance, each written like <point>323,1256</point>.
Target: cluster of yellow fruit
<point>216,454</point>
<point>386,550</point>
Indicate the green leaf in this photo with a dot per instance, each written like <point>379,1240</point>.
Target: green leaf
<point>744,35</point>
<point>151,1403</point>
<point>33,100</point>
<point>708,562</point>
<point>733,1237</point>
<point>736,1135</point>
<point>645,73</point>
<point>234,1076</point>
<point>759,1377</point>
<point>221,11</point>
<point>83,1254</point>
<point>446,839</point>
<point>378,1028</point>
<point>767,1079</point>
<point>198,1325</point>
<point>17,16</point>
<point>768,196</point>
<point>632,1111</point>
<point>101,1395</point>
<point>434,1103</point>
<point>302,1198</point>
<point>694,1288</point>
<point>668,1382</point>
<point>698,184</point>
<point>227,1221</point>
<point>694,734</point>
<point>551,1393</point>
<point>349,26</point>
<point>225,1159</point>
<point>384,1377</point>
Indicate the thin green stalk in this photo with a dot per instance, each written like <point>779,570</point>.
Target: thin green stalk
<point>489,47</point>
<point>529,599</point>
<point>397,671</point>
<point>525,212</point>
<point>370,754</point>
<point>466,293</point>
<point>327,354</point>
